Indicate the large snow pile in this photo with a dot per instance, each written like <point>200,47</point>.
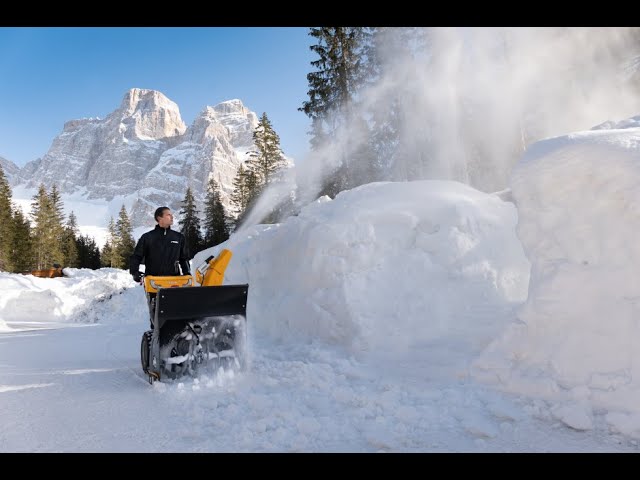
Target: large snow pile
<point>385,265</point>
<point>28,300</point>
<point>577,343</point>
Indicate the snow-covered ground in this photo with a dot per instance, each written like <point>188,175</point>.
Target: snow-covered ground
<point>377,322</point>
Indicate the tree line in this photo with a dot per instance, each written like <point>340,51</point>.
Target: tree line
<point>48,238</point>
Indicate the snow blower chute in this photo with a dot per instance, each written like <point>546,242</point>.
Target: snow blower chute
<point>197,323</point>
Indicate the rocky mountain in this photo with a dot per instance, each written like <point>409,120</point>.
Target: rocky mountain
<point>9,168</point>
<point>144,153</point>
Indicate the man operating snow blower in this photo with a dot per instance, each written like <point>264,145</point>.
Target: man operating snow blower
<point>193,323</point>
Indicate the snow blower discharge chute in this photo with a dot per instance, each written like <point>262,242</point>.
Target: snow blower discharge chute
<point>197,322</point>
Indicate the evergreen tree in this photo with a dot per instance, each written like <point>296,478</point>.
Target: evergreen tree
<point>190,224</point>
<point>45,232</point>
<point>267,159</point>
<point>70,243</point>
<point>107,258</point>
<point>6,224</point>
<point>263,166</point>
<point>253,189</point>
<point>88,252</point>
<point>21,253</point>
<point>318,134</point>
<point>57,205</point>
<point>341,71</point>
<point>215,224</point>
<point>240,195</point>
<point>57,222</point>
<point>124,243</point>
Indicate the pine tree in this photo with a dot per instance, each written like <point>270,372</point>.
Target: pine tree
<point>88,252</point>
<point>333,91</point>
<point>190,224</point>
<point>124,244</point>
<point>46,230</point>
<point>215,224</point>
<point>69,242</point>
<point>57,222</point>
<point>340,74</point>
<point>107,258</point>
<point>268,158</point>
<point>6,224</point>
<point>240,194</point>
<point>263,166</point>
<point>253,189</point>
<point>56,204</point>
<point>21,252</point>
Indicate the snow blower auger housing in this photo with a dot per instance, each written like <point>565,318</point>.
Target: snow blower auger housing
<point>196,323</point>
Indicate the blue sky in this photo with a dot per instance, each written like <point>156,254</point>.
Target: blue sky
<point>51,75</point>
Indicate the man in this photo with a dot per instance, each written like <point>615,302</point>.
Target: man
<point>162,250</point>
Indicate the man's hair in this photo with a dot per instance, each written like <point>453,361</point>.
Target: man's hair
<point>160,212</point>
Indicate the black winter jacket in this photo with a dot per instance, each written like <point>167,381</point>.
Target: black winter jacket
<point>159,250</point>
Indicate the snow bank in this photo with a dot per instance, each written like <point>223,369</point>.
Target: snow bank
<point>578,339</point>
<point>27,299</point>
<point>386,265</point>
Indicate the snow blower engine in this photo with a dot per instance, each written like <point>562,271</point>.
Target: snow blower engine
<point>196,323</point>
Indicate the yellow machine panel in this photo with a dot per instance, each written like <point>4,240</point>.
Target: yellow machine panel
<point>153,283</point>
<point>211,273</point>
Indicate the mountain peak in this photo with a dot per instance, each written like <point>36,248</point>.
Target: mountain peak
<point>149,114</point>
<point>231,106</point>
<point>142,152</point>
<point>145,99</point>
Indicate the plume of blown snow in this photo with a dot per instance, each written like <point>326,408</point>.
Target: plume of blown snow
<point>466,102</point>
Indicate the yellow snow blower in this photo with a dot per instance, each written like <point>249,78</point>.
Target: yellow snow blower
<point>197,323</point>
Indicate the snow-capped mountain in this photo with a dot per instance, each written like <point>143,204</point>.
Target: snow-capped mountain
<point>9,168</point>
<point>144,153</point>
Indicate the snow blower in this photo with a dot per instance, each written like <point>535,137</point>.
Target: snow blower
<point>197,324</point>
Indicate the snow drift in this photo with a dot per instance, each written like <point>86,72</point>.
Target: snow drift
<point>577,342</point>
<point>385,265</point>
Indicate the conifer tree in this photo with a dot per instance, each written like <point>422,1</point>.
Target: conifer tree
<point>267,158</point>
<point>249,184</point>
<point>107,258</point>
<point>263,167</point>
<point>245,190</point>
<point>88,252</point>
<point>45,232</point>
<point>6,224</point>
<point>124,243</point>
<point>57,222</point>
<point>240,195</point>
<point>341,71</point>
<point>56,204</point>
<point>215,224</point>
<point>69,242</point>
<point>190,224</point>
<point>21,252</point>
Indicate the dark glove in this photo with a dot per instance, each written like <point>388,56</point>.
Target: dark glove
<point>137,277</point>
